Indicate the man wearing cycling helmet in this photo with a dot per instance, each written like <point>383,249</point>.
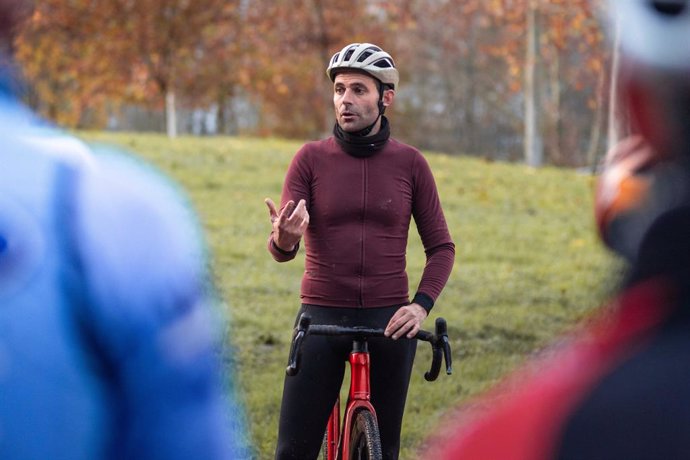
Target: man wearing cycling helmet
<point>352,196</point>
<point>619,388</point>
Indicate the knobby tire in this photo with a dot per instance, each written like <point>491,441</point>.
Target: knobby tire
<point>365,441</point>
<point>324,447</point>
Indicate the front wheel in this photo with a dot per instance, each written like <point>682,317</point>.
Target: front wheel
<point>324,447</point>
<point>365,441</point>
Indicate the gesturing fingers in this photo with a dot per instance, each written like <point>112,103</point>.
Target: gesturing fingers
<point>300,216</point>
<point>300,210</point>
<point>272,212</point>
<point>287,211</point>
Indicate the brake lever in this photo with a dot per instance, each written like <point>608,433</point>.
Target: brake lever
<point>296,348</point>
<point>444,343</point>
<point>446,354</point>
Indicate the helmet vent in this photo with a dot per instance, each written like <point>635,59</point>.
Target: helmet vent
<point>364,55</point>
<point>669,7</point>
<point>383,64</point>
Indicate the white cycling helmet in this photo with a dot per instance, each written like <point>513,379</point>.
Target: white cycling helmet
<point>654,32</point>
<point>366,58</point>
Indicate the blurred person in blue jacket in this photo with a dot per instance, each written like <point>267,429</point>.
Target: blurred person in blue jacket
<point>110,343</point>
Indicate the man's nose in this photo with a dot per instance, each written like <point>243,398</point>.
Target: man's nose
<point>347,97</point>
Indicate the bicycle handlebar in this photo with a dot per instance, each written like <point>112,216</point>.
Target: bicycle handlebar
<point>440,345</point>
<point>296,347</point>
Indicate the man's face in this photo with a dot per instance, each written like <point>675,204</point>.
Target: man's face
<point>355,98</point>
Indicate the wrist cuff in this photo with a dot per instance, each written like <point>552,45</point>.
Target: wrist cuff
<point>424,300</point>
<point>284,252</point>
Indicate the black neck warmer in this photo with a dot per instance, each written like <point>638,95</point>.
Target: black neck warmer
<point>362,146</point>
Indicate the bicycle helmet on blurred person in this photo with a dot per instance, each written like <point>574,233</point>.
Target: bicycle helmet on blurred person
<point>641,179</point>
<point>666,26</point>
<point>655,69</point>
<point>367,58</point>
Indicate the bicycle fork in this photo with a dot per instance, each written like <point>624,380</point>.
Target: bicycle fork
<point>358,398</point>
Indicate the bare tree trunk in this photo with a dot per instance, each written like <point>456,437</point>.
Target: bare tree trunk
<point>225,118</point>
<point>532,141</point>
<point>324,42</point>
<point>170,114</point>
<point>556,122</point>
<point>617,116</point>
<point>221,120</point>
<point>593,152</point>
<point>471,133</point>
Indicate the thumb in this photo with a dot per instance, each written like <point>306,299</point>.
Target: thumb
<point>272,212</point>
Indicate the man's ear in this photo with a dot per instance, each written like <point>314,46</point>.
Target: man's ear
<point>388,96</point>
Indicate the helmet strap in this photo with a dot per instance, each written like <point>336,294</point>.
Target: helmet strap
<point>382,108</point>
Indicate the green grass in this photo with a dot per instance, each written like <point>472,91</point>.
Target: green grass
<point>528,266</point>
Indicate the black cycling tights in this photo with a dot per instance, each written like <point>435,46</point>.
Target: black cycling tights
<point>309,396</point>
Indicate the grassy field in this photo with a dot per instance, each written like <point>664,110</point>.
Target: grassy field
<point>528,266</point>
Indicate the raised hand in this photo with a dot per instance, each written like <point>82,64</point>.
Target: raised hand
<point>620,186</point>
<point>289,225</point>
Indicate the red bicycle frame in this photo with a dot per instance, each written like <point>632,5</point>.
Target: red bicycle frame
<point>359,397</point>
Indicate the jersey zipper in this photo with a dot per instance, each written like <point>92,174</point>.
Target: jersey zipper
<point>365,187</point>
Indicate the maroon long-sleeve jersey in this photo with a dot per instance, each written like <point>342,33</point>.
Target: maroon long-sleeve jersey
<point>360,211</point>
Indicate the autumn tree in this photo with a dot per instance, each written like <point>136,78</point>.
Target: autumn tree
<point>221,75</point>
<point>167,41</point>
<point>457,91</point>
<point>87,53</point>
<point>469,65</point>
<point>70,73</point>
<point>574,66</point>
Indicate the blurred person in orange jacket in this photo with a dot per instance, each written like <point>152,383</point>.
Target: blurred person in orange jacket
<point>620,387</point>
